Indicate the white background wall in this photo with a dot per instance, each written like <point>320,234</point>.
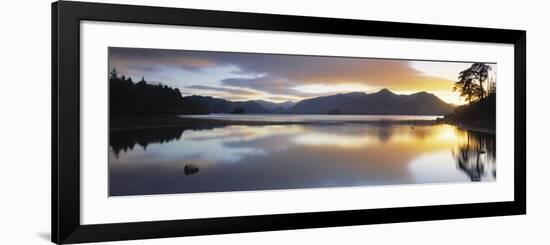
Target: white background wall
<point>25,122</point>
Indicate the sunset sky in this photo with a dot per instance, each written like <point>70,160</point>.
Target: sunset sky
<point>277,78</point>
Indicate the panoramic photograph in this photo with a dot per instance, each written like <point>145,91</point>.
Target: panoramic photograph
<point>183,121</point>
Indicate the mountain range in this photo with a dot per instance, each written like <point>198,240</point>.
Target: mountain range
<point>217,105</point>
<point>383,102</point>
<point>275,106</point>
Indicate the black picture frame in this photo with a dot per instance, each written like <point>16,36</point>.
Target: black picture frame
<point>65,167</point>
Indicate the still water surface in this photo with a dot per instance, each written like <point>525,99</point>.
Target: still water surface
<point>239,158</point>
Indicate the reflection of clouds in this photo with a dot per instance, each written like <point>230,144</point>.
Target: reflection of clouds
<point>252,132</point>
<point>291,156</point>
<point>213,134</point>
<point>232,142</point>
<point>226,144</point>
<point>263,144</point>
<point>433,168</point>
<point>265,138</point>
<point>422,137</point>
<point>139,158</point>
<point>242,132</point>
<point>185,149</point>
<point>332,140</point>
<point>381,152</point>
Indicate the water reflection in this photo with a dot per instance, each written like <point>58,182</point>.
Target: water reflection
<point>126,140</point>
<point>476,156</point>
<point>236,158</point>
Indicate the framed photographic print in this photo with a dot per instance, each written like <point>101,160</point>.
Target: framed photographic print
<point>176,122</point>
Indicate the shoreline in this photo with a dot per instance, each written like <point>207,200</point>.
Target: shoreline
<point>135,123</point>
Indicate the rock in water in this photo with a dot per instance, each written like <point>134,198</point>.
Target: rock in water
<point>190,169</point>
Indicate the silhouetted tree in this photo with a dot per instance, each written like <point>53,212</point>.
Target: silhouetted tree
<point>479,89</point>
<point>127,98</point>
<point>481,113</point>
<point>480,72</point>
<point>470,81</point>
<point>492,88</point>
<point>466,86</point>
<point>113,74</point>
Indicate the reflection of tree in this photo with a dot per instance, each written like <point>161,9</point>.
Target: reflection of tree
<point>125,140</point>
<point>477,155</point>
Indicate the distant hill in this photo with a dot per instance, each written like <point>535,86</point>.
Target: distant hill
<point>272,105</point>
<point>216,105</point>
<point>276,108</point>
<point>383,102</point>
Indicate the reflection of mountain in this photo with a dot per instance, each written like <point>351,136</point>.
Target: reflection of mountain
<point>383,102</point>
<point>238,158</point>
<point>476,157</point>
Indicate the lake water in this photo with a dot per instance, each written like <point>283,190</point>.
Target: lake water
<point>241,158</point>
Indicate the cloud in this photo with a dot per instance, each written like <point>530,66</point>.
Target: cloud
<point>224,89</point>
<point>266,83</point>
<point>279,74</point>
<point>281,87</point>
<point>291,71</point>
<point>282,98</point>
<point>129,60</point>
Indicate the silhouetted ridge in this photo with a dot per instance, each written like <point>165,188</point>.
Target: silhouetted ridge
<point>274,107</point>
<point>216,105</point>
<point>386,91</point>
<point>352,94</point>
<point>383,102</point>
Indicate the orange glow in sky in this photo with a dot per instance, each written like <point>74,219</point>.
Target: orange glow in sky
<point>277,78</point>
